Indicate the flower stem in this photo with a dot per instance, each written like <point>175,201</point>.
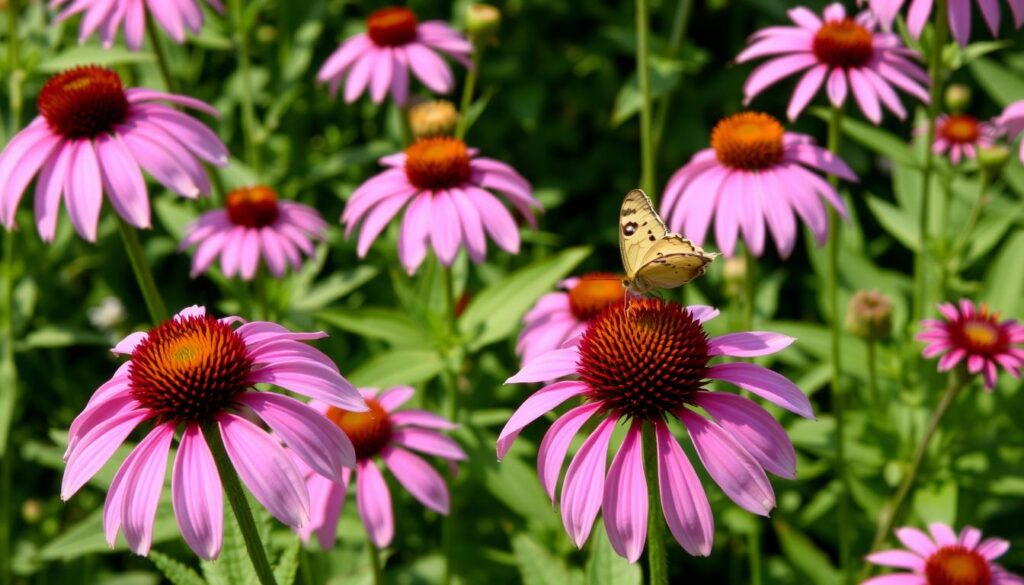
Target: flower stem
<point>935,74</point>
<point>754,544</point>
<point>891,512</point>
<point>158,50</point>
<point>657,560</point>
<point>680,23</point>
<point>450,382</point>
<point>144,276</point>
<point>750,288</point>
<point>239,504</point>
<point>462,123</point>
<point>872,364</point>
<point>838,397</point>
<point>247,105</point>
<point>375,565</point>
<point>644,81</point>
<point>972,220</point>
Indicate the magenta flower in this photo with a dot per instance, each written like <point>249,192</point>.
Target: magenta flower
<point>394,43</point>
<point>736,444</point>
<point>840,53</point>
<point>92,136</point>
<point>920,12</point>
<point>107,16</point>
<point>944,559</point>
<point>388,434</point>
<point>959,136</point>
<point>754,173</point>
<point>1011,121</point>
<point>194,370</point>
<point>977,336</point>
<point>254,225</point>
<point>561,317</point>
<point>445,184</point>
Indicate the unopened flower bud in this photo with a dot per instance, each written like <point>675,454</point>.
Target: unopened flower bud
<point>436,118</point>
<point>32,511</point>
<point>958,97</point>
<point>735,274</point>
<point>992,159</point>
<point>483,22</point>
<point>869,315</point>
<point>266,34</point>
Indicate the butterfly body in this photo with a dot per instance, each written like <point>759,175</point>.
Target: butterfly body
<point>652,256</point>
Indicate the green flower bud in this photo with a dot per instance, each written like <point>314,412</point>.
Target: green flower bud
<point>483,22</point>
<point>869,315</point>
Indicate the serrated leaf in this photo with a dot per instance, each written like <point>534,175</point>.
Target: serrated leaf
<point>496,311</point>
<point>176,572</point>
<point>607,568</point>
<point>389,325</point>
<point>403,366</point>
<point>288,565</point>
<point>233,566</point>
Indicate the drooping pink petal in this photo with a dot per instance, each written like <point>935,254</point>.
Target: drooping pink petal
<point>422,481</point>
<point>916,541</point>
<point>555,444</point>
<point>196,494</point>
<point>900,559</point>
<point>549,366</point>
<point>430,442</point>
<point>584,483</point>
<point>373,499</point>
<point>771,386</point>
<point>96,447</point>
<point>754,429</point>
<point>142,487</point>
<point>538,404</point>
<point>625,498</point>
<point>684,503</point>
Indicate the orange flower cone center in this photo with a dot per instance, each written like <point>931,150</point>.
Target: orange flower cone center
<point>253,207</point>
<point>957,565</point>
<point>981,334</point>
<point>189,368</point>
<point>83,102</point>
<point>961,129</point>
<point>369,431</point>
<point>594,293</point>
<point>392,27</point>
<point>748,141</point>
<point>437,163</point>
<point>843,43</point>
<point>645,359</point>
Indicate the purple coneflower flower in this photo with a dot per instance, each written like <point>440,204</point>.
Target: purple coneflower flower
<point>394,43</point>
<point>959,136</point>
<point>92,136</point>
<point>754,173</point>
<point>254,225</point>
<point>959,15</point>
<point>648,363</point>
<point>944,558</point>
<point>387,434</point>
<point>841,53</point>
<point>107,16</point>
<point>977,336</point>
<point>194,370</point>
<point>446,187</point>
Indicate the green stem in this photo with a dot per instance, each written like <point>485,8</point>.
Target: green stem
<point>754,544</point>
<point>872,363</point>
<point>462,124</point>
<point>644,80</point>
<point>375,564</point>
<point>972,220</point>
<point>158,50</point>
<point>838,397</point>
<point>892,511</point>
<point>680,24</point>
<point>239,505</point>
<point>935,73</point>
<point>245,70</point>
<point>657,560</point>
<point>140,266</point>
<point>259,287</point>
<point>750,289</point>
<point>449,380</point>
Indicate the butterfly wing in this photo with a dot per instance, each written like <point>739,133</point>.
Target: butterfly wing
<point>672,261</point>
<point>640,229</point>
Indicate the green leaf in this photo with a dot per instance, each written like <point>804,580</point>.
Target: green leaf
<point>87,537</point>
<point>1001,84</point>
<point>664,77</point>
<point>288,565</point>
<point>538,566</point>
<point>805,555</point>
<point>937,502</point>
<point>607,568</point>
<point>389,325</point>
<point>901,225</point>
<point>93,55</point>
<point>55,338</point>
<point>8,400</point>
<point>403,366</point>
<point>333,288</point>
<point>877,140</point>
<point>233,566</point>
<point>176,572</point>
<point>1005,279</point>
<point>497,311</point>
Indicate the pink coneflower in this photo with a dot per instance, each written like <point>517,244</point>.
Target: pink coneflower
<point>944,558</point>
<point>840,53</point>
<point>959,15</point>
<point>644,364</point>
<point>107,16</point>
<point>91,137</point>
<point>254,225</point>
<point>560,317</point>
<point>394,43</point>
<point>445,184</point>
<point>960,136</point>
<point>754,173</point>
<point>387,434</point>
<point>192,371</point>
<point>1011,121</point>
<point>976,335</point>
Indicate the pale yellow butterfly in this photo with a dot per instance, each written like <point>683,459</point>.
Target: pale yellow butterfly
<point>652,256</point>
